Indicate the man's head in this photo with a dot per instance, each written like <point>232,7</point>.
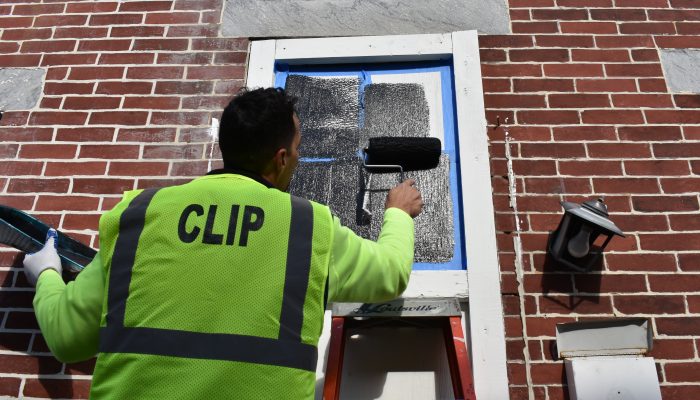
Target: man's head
<point>259,132</point>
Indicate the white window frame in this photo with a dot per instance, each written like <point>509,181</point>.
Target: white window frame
<point>480,283</point>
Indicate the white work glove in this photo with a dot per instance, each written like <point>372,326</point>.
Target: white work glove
<point>47,257</point>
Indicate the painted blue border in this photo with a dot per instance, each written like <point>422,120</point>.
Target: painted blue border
<point>451,138</point>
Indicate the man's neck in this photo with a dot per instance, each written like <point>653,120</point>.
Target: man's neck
<point>240,171</point>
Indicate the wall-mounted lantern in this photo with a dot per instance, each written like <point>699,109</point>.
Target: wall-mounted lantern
<point>573,244</point>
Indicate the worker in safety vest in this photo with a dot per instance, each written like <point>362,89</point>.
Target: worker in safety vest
<point>217,288</point>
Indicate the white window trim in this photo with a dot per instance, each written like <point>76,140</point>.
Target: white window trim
<point>480,284</point>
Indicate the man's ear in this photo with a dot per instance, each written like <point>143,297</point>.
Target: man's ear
<point>280,159</point>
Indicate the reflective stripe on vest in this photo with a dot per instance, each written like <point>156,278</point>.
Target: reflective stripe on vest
<point>287,351</point>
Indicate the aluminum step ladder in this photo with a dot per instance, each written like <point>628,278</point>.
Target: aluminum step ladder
<point>440,313</point>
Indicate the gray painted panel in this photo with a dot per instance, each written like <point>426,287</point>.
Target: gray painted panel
<point>681,69</point>
<point>20,88</point>
<point>294,18</point>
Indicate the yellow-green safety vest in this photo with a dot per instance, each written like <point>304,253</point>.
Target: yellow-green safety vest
<point>215,289</point>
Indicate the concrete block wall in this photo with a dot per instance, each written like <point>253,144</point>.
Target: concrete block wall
<point>576,100</point>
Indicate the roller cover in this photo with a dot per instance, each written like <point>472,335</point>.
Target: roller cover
<point>411,153</point>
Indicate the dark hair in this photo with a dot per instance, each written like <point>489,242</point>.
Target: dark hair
<point>254,125</point>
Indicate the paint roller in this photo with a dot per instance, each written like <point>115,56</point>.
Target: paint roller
<point>28,234</point>
<point>400,154</point>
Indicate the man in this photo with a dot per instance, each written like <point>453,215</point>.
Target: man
<point>217,288</point>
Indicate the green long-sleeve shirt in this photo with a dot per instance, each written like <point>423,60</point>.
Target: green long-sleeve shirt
<point>359,270</point>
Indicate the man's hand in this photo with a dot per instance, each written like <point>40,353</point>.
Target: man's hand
<point>47,257</point>
<point>406,197</point>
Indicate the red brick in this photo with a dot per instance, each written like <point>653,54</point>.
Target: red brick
<point>674,15</point>
<point>684,4</point>
<point>486,55</point>
<point>618,15</point>
<point>57,388</point>
<point>678,326</point>
<point>548,117</point>
<point>688,28</point>
<point>80,221</point>
<point>670,242</point>
<point>567,41</point>
<point>60,20</point>
<point>641,3</point>
<point>675,283</point>
<point>560,14</point>
<point>648,28</point>
<point>72,203</point>
<point>657,167</point>
<point>625,185</point>
<point>192,31</point>
<point>15,118</point>
<point>197,4</point>
<point>147,135</point>
<point>513,326</point>
<point>57,118</point>
<point>612,117</point>
<point>672,349</point>
<point>109,151</point>
<point>680,185</point>
<point>600,55</point>
<point>516,373</point>
<point>637,223</point>
<point>228,87</point>
<point>47,46</point>
<point>646,304</point>
<point>547,373</point>
<point>641,262</point>
<point>139,168</point>
<point>680,392</point>
<point>25,364</point>
<point>96,73</point>
<point>85,134</point>
<point>91,8</point>
<point>645,55</point>
<point>681,222</point>
<point>172,18</point>
<point>153,103</point>
<point>578,100</point>
<point>124,88</point>
<point>548,283</point>
<point>217,103</point>
<point>617,41</point>
<point>80,32</point>
<point>185,58</point>
<point>606,85</point>
<point>530,133</point>
<point>220,44</point>
<point>8,150</point>
<point>673,150</point>
<point>25,134</point>
<point>118,118</point>
<point>68,59</point>
<point>530,3</point>
<point>681,42</point>
<point>38,9</point>
<point>583,132</point>
<point>504,41</point>
<point>155,72</point>
<point>158,183</point>
<point>514,101</point>
<point>588,168</point>
<point>573,70</point>
<point>610,283</point>
<point>514,350</point>
<point>687,100</point>
<point>16,22</point>
<point>650,133</point>
<point>137,31</point>
<point>534,167</point>
<point>91,103</point>
<point>81,368</point>
<point>9,47</point>
<point>14,168</point>
<point>75,168</point>
<point>179,118</point>
<point>588,27</point>
<point>104,45</point>
<point>215,72</point>
<point>51,102</point>
<point>31,185</point>
<point>652,85</point>
<point>102,185</point>
<point>634,70</point>
<point>67,88</point>
<point>695,166</point>
<point>146,6</point>
<point>557,185</point>
<point>665,203</point>
<point>553,150</point>
<point>682,372</point>
<point>543,85</point>
<point>160,44</point>
<point>180,151</point>
<point>20,60</point>
<point>183,88</point>
<point>26,34</point>
<point>579,304</point>
<point>130,58</point>
<point>535,27</point>
<point>539,55</point>
<point>116,19</point>
<point>642,100</point>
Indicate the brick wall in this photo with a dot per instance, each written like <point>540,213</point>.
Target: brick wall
<point>578,89</point>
